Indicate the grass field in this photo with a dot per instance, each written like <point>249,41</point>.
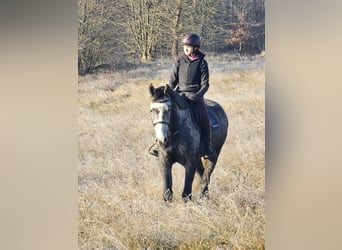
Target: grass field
<point>120,187</point>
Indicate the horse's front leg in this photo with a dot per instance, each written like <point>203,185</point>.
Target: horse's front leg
<point>190,169</point>
<point>165,169</point>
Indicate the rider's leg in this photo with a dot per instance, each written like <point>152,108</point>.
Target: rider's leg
<point>206,129</point>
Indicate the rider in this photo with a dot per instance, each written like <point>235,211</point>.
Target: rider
<point>190,77</point>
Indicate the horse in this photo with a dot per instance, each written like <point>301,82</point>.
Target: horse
<point>178,137</point>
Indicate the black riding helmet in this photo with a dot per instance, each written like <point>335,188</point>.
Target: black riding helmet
<point>192,39</point>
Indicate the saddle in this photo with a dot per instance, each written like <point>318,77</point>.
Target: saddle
<point>214,124</point>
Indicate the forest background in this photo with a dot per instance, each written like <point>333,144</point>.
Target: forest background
<point>115,34</point>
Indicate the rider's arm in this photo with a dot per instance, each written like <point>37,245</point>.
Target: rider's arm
<point>204,81</point>
<point>174,77</point>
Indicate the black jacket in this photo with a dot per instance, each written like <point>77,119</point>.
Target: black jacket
<point>190,76</point>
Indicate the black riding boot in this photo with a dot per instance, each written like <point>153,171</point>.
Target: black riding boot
<point>209,151</point>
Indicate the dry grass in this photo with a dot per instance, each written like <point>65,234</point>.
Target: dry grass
<point>120,191</point>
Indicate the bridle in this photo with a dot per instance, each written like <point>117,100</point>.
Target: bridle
<point>162,122</point>
<point>167,123</point>
<point>169,133</point>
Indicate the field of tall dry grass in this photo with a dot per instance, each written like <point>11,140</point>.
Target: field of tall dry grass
<point>120,187</point>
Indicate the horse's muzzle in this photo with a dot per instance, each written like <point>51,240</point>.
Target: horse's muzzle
<point>161,130</point>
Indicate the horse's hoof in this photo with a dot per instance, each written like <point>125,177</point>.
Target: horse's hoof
<point>187,198</point>
<point>168,195</point>
<point>204,195</point>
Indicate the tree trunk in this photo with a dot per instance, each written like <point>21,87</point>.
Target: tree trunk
<point>174,49</point>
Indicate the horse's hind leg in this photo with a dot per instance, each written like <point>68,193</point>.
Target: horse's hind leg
<point>208,165</point>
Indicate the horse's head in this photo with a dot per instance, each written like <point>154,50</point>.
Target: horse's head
<point>160,109</point>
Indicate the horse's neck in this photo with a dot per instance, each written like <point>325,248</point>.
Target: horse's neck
<point>180,117</point>
<point>183,115</point>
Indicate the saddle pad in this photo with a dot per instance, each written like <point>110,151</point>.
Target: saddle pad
<point>213,120</point>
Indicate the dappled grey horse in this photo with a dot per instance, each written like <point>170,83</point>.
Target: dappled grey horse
<point>178,137</point>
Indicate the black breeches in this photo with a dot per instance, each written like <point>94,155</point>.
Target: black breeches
<point>202,117</point>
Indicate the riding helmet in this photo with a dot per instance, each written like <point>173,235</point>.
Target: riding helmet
<point>192,39</point>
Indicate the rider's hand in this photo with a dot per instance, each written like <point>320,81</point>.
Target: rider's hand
<point>190,96</point>
<point>193,97</point>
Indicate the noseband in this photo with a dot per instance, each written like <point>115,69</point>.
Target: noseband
<point>161,122</point>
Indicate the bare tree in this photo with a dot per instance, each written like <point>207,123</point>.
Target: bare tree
<point>113,32</point>
<point>96,31</point>
<point>144,17</point>
<point>173,10</point>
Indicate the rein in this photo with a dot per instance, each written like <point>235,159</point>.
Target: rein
<point>177,131</point>
<point>169,133</point>
<point>168,124</point>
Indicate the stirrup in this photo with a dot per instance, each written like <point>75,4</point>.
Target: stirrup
<point>153,152</point>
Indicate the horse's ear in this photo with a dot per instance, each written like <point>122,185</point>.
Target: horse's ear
<point>152,89</point>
